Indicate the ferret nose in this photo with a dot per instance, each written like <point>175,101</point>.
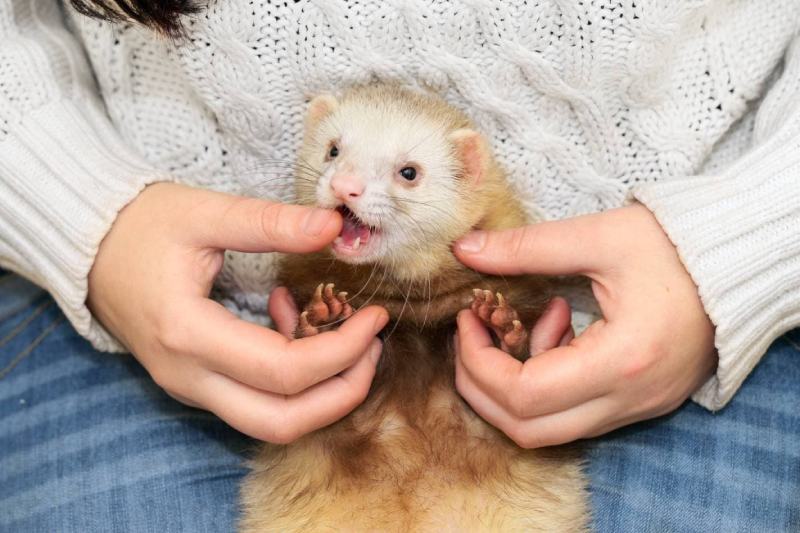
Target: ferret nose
<point>346,186</point>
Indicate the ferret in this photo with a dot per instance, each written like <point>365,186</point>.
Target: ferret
<point>409,174</point>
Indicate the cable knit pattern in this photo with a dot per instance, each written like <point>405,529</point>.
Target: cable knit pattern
<point>737,234</point>
<point>584,101</point>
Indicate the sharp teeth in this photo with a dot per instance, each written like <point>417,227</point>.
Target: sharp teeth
<point>357,243</point>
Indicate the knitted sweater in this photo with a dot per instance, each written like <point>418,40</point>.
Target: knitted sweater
<point>691,107</point>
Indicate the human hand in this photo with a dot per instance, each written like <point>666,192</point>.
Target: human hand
<point>653,347</point>
<point>149,286</point>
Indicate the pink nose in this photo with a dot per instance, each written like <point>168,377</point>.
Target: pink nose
<point>347,186</point>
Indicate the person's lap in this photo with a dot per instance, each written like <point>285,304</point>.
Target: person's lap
<point>89,443</point>
<point>736,470</point>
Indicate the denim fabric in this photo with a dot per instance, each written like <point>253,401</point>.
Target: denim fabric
<point>88,443</point>
<point>736,470</point>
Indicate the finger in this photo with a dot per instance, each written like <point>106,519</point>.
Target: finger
<point>265,359</point>
<point>568,337</point>
<point>253,225</point>
<point>552,326</point>
<point>282,419</point>
<point>579,422</point>
<point>183,399</point>
<point>283,311</point>
<point>582,421</point>
<point>572,246</point>
<point>552,381</point>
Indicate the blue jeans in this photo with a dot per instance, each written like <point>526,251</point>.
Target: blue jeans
<point>89,443</point>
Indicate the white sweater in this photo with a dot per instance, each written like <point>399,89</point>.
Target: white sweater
<point>692,107</point>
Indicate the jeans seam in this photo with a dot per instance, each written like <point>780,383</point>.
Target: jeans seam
<point>27,351</point>
<point>21,326</point>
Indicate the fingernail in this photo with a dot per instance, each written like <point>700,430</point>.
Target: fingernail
<point>473,242</point>
<point>375,351</point>
<point>380,322</point>
<point>316,221</point>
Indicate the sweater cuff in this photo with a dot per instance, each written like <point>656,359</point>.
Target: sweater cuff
<point>737,235</point>
<point>65,173</point>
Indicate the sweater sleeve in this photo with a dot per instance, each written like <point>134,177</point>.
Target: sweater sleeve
<point>64,170</point>
<point>738,235</point>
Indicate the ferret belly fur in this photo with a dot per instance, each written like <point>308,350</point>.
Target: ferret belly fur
<point>414,457</point>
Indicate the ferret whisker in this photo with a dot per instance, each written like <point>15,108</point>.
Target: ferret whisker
<point>422,236</point>
<point>366,283</point>
<point>377,289</point>
<point>276,166</point>
<point>400,314</point>
<point>428,297</point>
<point>435,207</point>
<point>268,180</point>
<point>426,139</point>
<point>351,298</point>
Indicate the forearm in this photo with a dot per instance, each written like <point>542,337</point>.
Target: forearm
<point>64,171</point>
<point>737,235</point>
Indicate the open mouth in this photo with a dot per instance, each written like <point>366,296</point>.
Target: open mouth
<point>356,238</point>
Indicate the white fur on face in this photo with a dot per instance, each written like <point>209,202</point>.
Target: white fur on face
<point>374,145</point>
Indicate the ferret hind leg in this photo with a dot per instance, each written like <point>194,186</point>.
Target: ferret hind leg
<point>325,311</point>
<point>496,313</point>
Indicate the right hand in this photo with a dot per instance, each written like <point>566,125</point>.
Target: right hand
<point>149,287</point>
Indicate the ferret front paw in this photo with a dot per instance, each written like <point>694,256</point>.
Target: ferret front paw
<point>495,312</point>
<point>325,310</point>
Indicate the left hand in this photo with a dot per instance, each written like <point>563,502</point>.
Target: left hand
<point>653,347</point>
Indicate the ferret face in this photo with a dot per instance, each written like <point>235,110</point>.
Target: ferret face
<point>395,175</point>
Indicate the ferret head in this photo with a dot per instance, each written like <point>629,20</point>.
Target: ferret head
<point>405,171</point>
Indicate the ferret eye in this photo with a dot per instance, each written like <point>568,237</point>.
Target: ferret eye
<point>333,152</point>
<point>408,173</point>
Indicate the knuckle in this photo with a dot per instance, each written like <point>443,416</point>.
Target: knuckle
<point>271,216</point>
<point>282,433</point>
<point>271,373</point>
<point>169,329</point>
<point>281,436</point>
<point>635,365</point>
<point>522,438</point>
<point>171,337</point>
<point>655,350</point>
<point>517,242</point>
<point>460,380</point>
<point>283,383</point>
<point>287,381</point>
<point>640,360</point>
<point>163,379</point>
<point>518,404</point>
<point>661,401</point>
<point>359,393</point>
<point>522,396</point>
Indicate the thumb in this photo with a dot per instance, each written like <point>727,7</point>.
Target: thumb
<point>562,247</point>
<point>253,225</point>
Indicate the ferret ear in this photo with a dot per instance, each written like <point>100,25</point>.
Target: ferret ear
<point>319,108</point>
<point>473,152</point>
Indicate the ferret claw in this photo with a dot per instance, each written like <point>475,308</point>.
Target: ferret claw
<point>515,338</point>
<point>325,310</point>
<point>304,329</point>
<point>495,312</point>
